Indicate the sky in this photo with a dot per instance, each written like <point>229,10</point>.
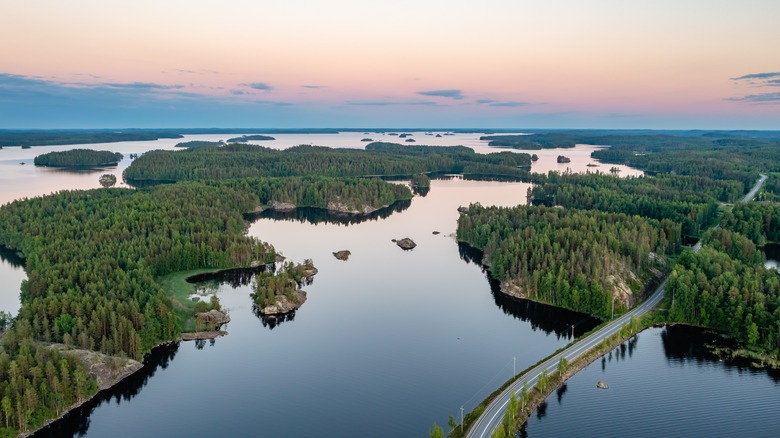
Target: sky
<point>663,64</point>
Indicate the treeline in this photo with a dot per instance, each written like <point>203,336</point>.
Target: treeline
<point>354,194</point>
<point>570,258</point>
<point>78,158</point>
<point>379,159</point>
<point>725,286</point>
<point>246,138</point>
<point>78,136</point>
<point>689,200</point>
<point>532,141</point>
<point>194,144</point>
<point>92,259</point>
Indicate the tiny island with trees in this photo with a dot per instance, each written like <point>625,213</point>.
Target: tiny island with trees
<point>79,158</point>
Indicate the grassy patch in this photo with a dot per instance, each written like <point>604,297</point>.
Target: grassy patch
<point>179,289</point>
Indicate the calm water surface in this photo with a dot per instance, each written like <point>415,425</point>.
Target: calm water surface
<point>663,382</point>
<point>387,342</point>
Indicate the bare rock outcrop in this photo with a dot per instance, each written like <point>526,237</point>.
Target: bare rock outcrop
<point>342,255</point>
<point>284,304</point>
<point>405,243</point>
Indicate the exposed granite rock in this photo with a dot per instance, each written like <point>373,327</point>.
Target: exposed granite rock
<point>405,243</point>
<point>602,385</point>
<point>283,304</point>
<point>342,255</point>
<point>340,207</point>
<point>282,206</point>
<point>202,336</point>
<point>213,318</point>
<point>106,370</point>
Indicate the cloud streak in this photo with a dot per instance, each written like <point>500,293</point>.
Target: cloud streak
<point>757,98</point>
<point>768,75</point>
<point>450,94</point>
<point>262,86</point>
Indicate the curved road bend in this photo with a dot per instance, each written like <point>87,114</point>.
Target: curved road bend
<point>493,414</point>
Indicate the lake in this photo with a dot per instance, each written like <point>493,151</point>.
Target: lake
<point>663,382</point>
<point>387,343</point>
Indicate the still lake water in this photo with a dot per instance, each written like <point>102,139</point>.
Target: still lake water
<point>388,341</point>
<point>663,383</point>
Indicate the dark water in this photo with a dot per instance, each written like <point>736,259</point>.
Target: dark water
<point>663,382</point>
<point>772,253</point>
<point>387,343</point>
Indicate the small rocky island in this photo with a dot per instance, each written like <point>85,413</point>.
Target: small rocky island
<point>405,243</point>
<point>563,159</point>
<point>80,158</point>
<point>342,255</point>
<point>280,293</point>
<point>107,180</point>
<point>602,385</point>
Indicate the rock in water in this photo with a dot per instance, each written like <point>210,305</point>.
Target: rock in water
<point>602,385</point>
<point>342,255</point>
<point>406,243</point>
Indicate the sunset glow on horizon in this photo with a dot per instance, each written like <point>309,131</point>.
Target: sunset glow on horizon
<point>564,64</point>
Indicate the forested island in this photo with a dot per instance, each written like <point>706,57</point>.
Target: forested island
<point>78,158</point>
<point>93,282</point>
<point>246,138</point>
<point>378,159</point>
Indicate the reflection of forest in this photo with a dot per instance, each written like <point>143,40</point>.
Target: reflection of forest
<point>11,257</point>
<point>544,317</point>
<point>320,215</point>
<point>691,344</point>
<point>76,422</point>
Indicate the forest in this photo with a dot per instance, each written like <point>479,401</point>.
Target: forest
<point>78,158</point>
<point>378,159</point>
<point>725,286</point>
<point>576,259</point>
<point>92,259</point>
<point>691,201</point>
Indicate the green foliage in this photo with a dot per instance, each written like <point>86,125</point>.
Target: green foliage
<point>285,282</point>
<point>78,158</point>
<point>421,181</point>
<point>379,159</point>
<point>759,221</point>
<point>37,382</point>
<point>565,257</point>
<point>436,431</point>
<point>689,200</point>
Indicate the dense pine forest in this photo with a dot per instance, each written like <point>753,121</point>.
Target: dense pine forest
<point>725,286</point>
<point>79,158</point>
<point>92,260</point>
<point>688,200</point>
<point>577,259</point>
<point>378,159</point>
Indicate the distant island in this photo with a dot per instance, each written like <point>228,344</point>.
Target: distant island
<point>194,144</point>
<point>246,138</point>
<point>78,158</point>
<point>563,159</point>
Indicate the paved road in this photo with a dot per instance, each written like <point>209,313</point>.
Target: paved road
<point>492,416</point>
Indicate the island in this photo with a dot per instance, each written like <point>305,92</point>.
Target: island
<point>195,144</point>
<point>107,180</point>
<point>246,138</point>
<point>78,158</point>
<point>280,293</point>
<point>563,159</point>
<point>342,255</point>
<point>405,243</point>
